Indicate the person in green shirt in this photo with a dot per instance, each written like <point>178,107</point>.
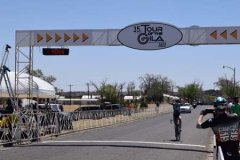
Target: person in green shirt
<point>236,106</point>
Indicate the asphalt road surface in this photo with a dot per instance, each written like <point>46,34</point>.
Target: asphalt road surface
<point>148,139</point>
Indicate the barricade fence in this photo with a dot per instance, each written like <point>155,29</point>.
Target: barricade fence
<point>220,154</point>
<point>217,151</point>
<point>28,126</point>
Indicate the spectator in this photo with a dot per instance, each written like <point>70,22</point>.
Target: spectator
<point>229,104</point>
<point>235,107</point>
<point>157,106</point>
<point>129,108</point>
<point>225,127</point>
<point>34,104</point>
<point>10,107</point>
<point>61,108</point>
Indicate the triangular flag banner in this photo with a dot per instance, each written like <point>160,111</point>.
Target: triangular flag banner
<point>75,37</point>
<point>224,34</point>
<point>84,37</point>
<point>57,37</point>
<point>48,37</point>
<point>214,34</point>
<point>66,37</point>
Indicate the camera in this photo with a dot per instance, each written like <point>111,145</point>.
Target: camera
<point>209,110</point>
<point>206,111</point>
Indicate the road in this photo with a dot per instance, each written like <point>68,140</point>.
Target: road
<point>148,139</point>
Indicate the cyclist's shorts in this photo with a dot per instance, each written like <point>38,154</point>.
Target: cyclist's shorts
<point>176,114</point>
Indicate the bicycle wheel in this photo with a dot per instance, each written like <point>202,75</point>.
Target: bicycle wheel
<point>179,136</point>
<point>178,132</point>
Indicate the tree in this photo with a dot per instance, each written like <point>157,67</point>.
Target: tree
<point>130,88</point>
<point>50,79</point>
<point>191,91</point>
<point>153,86</point>
<point>156,92</point>
<point>38,73</point>
<point>145,82</point>
<point>227,87</point>
<point>120,90</point>
<point>108,92</point>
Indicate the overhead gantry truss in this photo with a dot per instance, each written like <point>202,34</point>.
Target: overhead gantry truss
<point>28,39</point>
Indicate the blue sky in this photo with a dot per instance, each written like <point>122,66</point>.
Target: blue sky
<point>181,64</point>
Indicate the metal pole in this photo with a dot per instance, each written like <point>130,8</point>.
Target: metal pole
<point>234,81</point>
<point>234,77</point>
<point>88,89</point>
<point>70,94</point>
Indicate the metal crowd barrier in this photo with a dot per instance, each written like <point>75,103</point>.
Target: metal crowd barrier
<point>28,126</point>
<point>220,154</point>
<point>217,151</point>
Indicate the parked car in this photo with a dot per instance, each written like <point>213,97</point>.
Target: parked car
<point>87,112</point>
<point>111,110</point>
<point>50,107</point>
<point>186,108</point>
<point>120,109</point>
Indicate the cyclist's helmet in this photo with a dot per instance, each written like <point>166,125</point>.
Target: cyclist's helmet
<point>177,101</point>
<point>220,103</point>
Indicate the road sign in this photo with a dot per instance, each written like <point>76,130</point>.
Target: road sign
<point>150,36</point>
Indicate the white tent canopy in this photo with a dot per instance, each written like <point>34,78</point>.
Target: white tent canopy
<point>91,97</point>
<point>170,96</point>
<point>41,88</point>
<point>132,97</point>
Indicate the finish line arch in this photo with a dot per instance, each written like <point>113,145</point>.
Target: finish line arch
<point>28,39</point>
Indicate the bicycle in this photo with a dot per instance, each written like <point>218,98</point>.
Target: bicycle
<point>178,128</point>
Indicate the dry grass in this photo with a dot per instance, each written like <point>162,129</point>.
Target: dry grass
<point>70,108</point>
<point>90,123</point>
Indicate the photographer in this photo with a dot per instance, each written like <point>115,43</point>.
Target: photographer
<point>225,126</point>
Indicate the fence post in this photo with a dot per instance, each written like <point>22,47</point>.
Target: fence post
<point>38,126</point>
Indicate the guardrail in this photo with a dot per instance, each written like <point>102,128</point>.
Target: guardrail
<point>28,126</point>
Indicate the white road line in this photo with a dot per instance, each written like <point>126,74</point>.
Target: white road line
<point>4,149</point>
<point>130,142</point>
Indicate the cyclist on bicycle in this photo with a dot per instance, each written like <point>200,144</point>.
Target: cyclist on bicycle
<point>176,114</point>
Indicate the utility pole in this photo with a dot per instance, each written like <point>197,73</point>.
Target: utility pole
<point>70,94</point>
<point>87,89</point>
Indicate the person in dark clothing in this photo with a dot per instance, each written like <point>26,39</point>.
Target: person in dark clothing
<point>225,126</point>
<point>9,109</point>
<point>157,106</point>
<point>129,106</point>
<point>61,108</point>
<point>176,112</point>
